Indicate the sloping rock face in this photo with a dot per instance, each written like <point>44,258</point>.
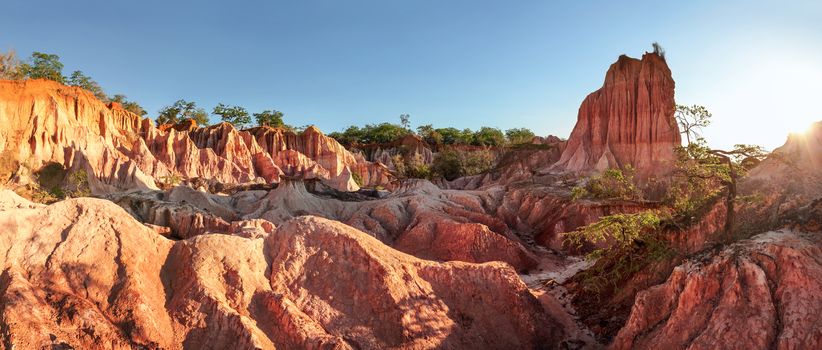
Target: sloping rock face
<point>43,121</point>
<point>789,179</point>
<point>761,293</point>
<point>409,147</point>
<point>418,219</point>
<point>82,273</point>
<point>629,121</point>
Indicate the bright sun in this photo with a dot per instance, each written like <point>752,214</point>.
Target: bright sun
<point>799,127</point>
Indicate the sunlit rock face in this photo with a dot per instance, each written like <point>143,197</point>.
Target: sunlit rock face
<point>629,121</point>
<point>82,274</point>
<point>761,293</point>
<point>801,155</point>
<point>785,182</point>
<point>45,122</point>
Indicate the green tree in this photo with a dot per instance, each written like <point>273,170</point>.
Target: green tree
<point>350,136</point>
<point>518,136</point>
<point>182,110</point>
<point>81,80</point>
<point>702,172</point>
<point>632,242</point>
<point>658,49</point>
<point>10,66</point>
<point>451,136</point>
<point>620,229</point>
<point>430,135</point>
<point>405,121</point>
<point>487,136</point>
<point>613,183</point>
<point>450,163</point>
<point>383,133</point>
<point>130,106</point>
<point>272,118</point>
<point>232,114</point>
<point>43,66</point>
<point>691,120</point>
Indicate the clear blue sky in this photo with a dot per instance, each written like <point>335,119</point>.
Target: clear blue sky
<point>756,65</point>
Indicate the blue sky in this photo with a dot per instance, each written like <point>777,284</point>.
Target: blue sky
<point>757,65</point>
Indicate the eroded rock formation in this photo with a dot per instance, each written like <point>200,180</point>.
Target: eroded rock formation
<point>82,273</point>
<point>758,294</point>
<point>629,121</point>
<point>43,121</point>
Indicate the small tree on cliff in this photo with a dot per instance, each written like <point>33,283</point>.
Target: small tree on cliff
<point>430,135</point>
<point>518,136</point>
<point>43,66</point>
<point>405,121</point>
<point>702,172</point>
<point>487,136</point>
<point>10,66</point>
<point>232,114</point>
<point>180,111</point>
<point>272,118</point>
<point>130,106</point>
<point>691,120</point>
<point>658,49</point>
<point>81,80</point>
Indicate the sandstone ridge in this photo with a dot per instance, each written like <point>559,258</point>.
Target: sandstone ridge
<point>44,122</point>
<point>83,274</point>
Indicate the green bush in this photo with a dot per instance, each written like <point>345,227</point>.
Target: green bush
<point>518,136</point>
<point>633,242</point>
<point>612,183</point>
<point>79,180</point>
<point>451,164</point>
<point>170,180</point>
<point>357,179</point>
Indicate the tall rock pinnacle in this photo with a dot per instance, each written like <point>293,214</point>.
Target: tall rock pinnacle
<point>629,121</point>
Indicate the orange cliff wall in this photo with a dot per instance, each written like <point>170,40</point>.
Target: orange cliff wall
<point>43,121</point>
<point>629,121</point>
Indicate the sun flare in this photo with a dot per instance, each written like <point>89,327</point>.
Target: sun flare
<point>800,127</point>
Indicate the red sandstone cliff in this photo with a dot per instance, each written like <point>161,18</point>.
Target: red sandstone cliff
<point>43,121</point>
<point>629,121</point>
<point>761,293</point>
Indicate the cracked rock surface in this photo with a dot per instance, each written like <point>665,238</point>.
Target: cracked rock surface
<point>761,293</point>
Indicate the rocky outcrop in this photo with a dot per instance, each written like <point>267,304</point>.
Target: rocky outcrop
<point>43,122</point>
<point>83,274</point>
<point>409,147</point>
<point>183,219</point>
<point>761,293</point>
<point>418,219</point>
<point>787,180</point>
<point>629,121</point>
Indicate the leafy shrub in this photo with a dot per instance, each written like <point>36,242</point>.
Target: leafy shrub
<point>612,183</point>
<point>633,240</point>
<point>451,164</point>
<point>235,115</point>
<point>170,180</point>
<point>357,179</point>
<point>270,117</point>
<point>518,136</point>
<point>79,180</point>
<point>416,168</point>
<point>182,110</point>
<point>10,66</point>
